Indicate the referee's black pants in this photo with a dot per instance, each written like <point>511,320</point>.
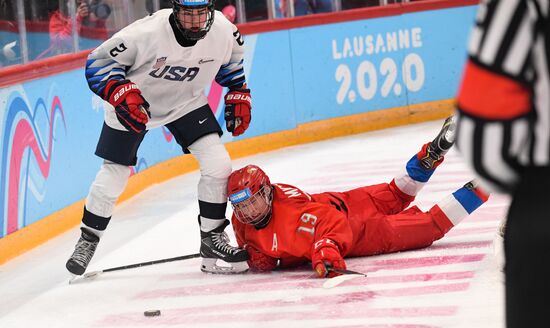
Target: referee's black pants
<point>527,251</point>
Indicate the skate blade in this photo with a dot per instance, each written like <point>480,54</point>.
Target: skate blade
<point>335,281</point>
<point>209,265</point>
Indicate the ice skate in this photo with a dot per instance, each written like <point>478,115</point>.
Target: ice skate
<point>215,246</point>
<point>83,253</point>
<point>436,149</point>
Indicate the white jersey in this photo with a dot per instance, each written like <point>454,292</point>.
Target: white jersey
<point>171,77</point>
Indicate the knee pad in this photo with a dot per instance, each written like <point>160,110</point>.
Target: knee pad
<point>109,183</point>
<point>215,168</point>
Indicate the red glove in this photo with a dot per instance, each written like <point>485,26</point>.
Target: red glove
<point>325,255</point>
<point>132,111</point>
<point>258,261</point>
<point>237,110</point>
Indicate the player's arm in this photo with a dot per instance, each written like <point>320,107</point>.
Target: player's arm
<point>331,235</point>
<point>231,73</point>
<point>494,101</point>
<point>237,100</point>
<point>106,69</point>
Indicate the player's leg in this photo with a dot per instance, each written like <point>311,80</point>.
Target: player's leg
<point>119,149</point>
<point>412,228</point>
<point>422,165</point>
<point>526,247</point>
<point>463,202</point>
<point>392,198</point>
<point>212,192</point>
<point>198,132</point>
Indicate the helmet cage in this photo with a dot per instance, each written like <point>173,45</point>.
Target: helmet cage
<point>197,15</point>
<point>251,208</point>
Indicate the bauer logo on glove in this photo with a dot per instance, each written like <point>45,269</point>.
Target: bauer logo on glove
<point>237,110</point>
<point>132,110</point>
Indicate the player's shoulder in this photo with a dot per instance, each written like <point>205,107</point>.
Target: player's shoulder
<point>222,24</point>
<point>150,24</point>
<point>286,192</point>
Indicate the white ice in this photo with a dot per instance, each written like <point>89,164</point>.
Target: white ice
<point>457,282</point>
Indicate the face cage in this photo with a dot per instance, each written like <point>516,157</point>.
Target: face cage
<point>194,35</point>
<point>256,208</point>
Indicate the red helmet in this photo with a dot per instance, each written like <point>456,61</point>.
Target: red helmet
<point>250,194</point>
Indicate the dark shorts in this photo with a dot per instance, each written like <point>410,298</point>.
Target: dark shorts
<point>121,146</point>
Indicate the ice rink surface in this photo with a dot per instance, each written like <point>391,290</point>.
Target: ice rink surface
<point>457,282</point>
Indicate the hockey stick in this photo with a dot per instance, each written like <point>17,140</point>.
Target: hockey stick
<point>345,275</point>
<point>344,271</point>
<point>94,274</point>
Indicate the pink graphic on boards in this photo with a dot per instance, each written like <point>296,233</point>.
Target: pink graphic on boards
<point>21,134</point>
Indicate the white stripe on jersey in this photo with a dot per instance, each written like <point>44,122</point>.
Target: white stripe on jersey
<point>492,161</point>
<point>520,139</point>
<point>542,105</point>
<point>475,40</point>
<point>519,145</point>
<point>477,31</point>
<point>495,34</point>
<point>517,54</point>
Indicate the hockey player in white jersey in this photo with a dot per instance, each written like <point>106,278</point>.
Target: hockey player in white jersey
<point>153,73</point>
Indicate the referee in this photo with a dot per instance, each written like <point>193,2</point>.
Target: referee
<point>504,135</point>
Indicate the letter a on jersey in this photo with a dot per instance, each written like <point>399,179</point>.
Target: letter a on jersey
<point>275,243</point>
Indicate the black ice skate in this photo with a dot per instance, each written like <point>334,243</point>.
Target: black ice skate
<point>471,185</point>
<point>83,253</point>
<point>440,145</point>
<point>215,246</point>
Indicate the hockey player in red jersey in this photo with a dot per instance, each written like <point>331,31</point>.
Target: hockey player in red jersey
<point>282,226</point>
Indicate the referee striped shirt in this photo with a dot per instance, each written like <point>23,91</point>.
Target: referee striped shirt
<point>503,105</point>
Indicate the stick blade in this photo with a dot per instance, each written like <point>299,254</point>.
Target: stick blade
<point>87,276</point>
<point>335,281</point>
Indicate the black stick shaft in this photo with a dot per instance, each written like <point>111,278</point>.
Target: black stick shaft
<point>346,271</point>
<point>137,265</point>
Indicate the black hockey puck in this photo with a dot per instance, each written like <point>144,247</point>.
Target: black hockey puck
<point>151,313</point>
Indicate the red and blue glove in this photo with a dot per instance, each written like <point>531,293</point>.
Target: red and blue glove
<point>237,110</point>
<point>325,256</point>
<point>259,261</point>
<point>132,110</point>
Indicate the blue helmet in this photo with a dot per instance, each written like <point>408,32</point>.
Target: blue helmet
<point>194,18</point>
<point>192,3</point>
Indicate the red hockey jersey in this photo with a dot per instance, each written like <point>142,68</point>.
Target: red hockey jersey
<point>297,221</point>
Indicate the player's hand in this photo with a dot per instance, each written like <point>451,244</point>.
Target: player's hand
<point>132,110</point>
<point>237,110</point>
<point>325,255</point>
<point>259,261</point>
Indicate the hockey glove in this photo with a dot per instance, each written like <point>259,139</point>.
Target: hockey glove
<point>132,110</point>
<point>237,110</point>
<point>325,255</point>
<point>259,261</point>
